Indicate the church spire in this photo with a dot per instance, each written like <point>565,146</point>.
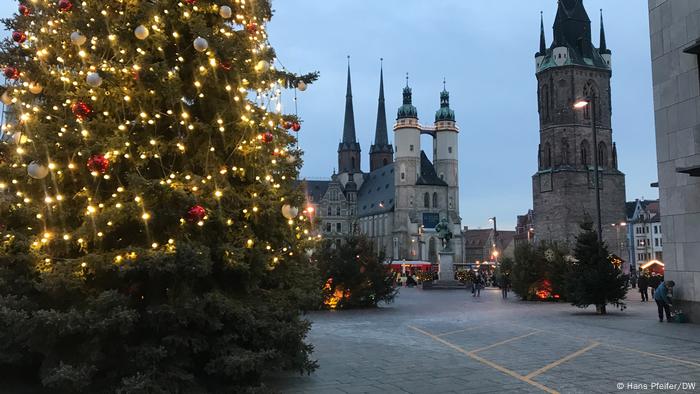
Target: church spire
<point>381,153</point>
<point>380,134</point>
<point>603,45</point>
<point>349,124</point>
<point>543,42</point>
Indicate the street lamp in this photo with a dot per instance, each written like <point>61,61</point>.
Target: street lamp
<point>495,239</point>
<point>591,100</point>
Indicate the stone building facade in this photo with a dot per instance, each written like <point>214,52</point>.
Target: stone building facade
<point>675,47</point>
<point>405,195</point>
<point>571,69</point>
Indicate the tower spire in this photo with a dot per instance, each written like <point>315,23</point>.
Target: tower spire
<point>380,135</point>
<point>543,42</point>
<point>349,124</point>
<point>381,152</point>
<point>603,44</point>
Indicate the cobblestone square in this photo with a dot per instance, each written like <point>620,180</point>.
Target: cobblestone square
<point>450,342</point>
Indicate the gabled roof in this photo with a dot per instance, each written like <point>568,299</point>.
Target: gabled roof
<point>476,238</point>
<point>377,192</point>
<point>428,175</point>
<point>314,190</point>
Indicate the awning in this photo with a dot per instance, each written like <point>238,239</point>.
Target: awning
<point>650,263</point>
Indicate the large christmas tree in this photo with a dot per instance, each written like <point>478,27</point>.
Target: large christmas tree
<point>149,240</point>
<point>593,279</point>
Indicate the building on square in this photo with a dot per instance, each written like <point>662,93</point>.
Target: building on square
<point>403,197</point>
<point>644,236</point>
<point>571,69</point>
<point>675,47</point>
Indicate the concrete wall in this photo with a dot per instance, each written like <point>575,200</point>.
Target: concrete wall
<point>674,25</point>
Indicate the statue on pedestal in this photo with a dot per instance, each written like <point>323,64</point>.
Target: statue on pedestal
<point>444,233</point>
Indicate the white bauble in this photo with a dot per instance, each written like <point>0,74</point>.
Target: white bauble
<point>93,79</point>
<point>289,211</point>
<point>262,66</point>
<point>301,86</point>
<point>225,12</point>
<point>35,88</point>
<point>37,170</point>
<point>5,98</point>
<point>200,44</point>
<point>291,159</point>
<point>141,32</point>
<point>77,39</point>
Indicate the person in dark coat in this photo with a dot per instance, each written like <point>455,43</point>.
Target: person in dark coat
<point>663,301</point>
<point>654,282</point>
<point>643,285</point>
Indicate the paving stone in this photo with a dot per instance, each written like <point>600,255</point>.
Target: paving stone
<point>378,351</point>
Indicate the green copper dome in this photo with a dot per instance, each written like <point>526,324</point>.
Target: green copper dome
<point>407,110</point>
<point>444,113</point>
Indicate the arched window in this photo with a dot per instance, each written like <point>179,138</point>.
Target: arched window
<point>614,156</point>
<point>432,250</point>
<point>337,211</point>
<point>547,155</point>
<point>602,154</point>
<point>352,162</point>
<point>330,211</point>
<point>584,152</point>
<point>590,90</point>
<point>426,200</point>
<point>435,200</point>
<point>565,151</point>
<point>544,102</point>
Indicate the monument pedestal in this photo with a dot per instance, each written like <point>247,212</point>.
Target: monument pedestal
<point>446,273</point>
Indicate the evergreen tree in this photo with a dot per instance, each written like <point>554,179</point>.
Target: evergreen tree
<point>592,278</point>
<point>142,243</point>
<point>353,275</point>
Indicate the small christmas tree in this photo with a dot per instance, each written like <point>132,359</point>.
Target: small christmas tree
<point>354,276</point>
<point>143,246</point>
<point>593,279</point>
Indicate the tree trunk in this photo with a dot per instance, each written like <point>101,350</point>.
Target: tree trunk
<point>600,309</point>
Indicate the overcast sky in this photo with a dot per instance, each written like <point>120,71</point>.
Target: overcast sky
<point>485,49</point>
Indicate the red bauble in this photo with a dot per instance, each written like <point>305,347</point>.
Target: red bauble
<point>98,163</point>
<point>19,37</point>
<point>24,10</point>
<point>196,214</point>
<point>190,1</point>
<point>267,137</point>
<point>288,125</point>
<point>225,64</point>
<point>11,72</point>
<point>81,110</point>
<point>65,5</point>
<point>251,27</point>
<point>296,126</point>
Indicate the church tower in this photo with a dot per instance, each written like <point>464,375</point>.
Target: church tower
<point>381,153</point>
<point>349,149</point>
<point>446,154</point>
<point>563,189</point>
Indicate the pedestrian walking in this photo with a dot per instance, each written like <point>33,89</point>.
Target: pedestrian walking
<point>505,282</point>
<point>663,301</point>
<point>643,285</point>
<point>478,284</point>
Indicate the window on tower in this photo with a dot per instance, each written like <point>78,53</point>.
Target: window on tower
<point>602,154</point>
<point>564,151</point>
<point>584,152</point>
<point>547,155</point>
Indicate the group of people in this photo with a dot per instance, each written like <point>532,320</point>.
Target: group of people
<point>480,281</point>
<point>661,291</point>
<point>646,281</point>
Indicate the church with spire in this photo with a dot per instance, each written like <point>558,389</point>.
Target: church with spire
<point>404,195</point>
<point>563,188</point>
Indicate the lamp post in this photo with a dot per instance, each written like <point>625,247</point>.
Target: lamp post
<point>591,100</point>
<point>617,229</point>
<point>495,240</point>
